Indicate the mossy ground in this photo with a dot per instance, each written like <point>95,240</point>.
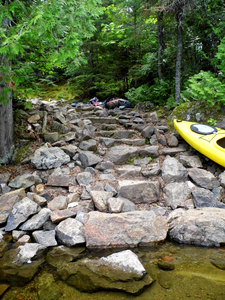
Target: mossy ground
<point>61,91</point>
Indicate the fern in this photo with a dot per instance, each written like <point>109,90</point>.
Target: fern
<point>157,93</point>
<point>204,86</point>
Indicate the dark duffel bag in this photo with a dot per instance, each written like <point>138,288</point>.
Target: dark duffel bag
<point>113,103</point>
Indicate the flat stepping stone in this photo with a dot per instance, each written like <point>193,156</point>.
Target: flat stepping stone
<point>133,142</point>
<point>60,215</point>
<point>107,127</point>
<point>128,171</point>
<point>108,177</point>
<point>124,134</point>
<point>61,180</point>
<point>174,151</point>
<point>102,120</point>
<point>203,178</point>
<point>90,145</point>
<point>106,133</point>
<point>122,154</point>
<point>150,151</point>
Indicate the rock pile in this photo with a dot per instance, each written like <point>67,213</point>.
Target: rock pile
<point>106,179</point>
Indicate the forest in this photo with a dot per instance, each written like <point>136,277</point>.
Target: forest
<point>163,51</point>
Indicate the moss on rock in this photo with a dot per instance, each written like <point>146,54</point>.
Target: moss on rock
<point>198,112</point>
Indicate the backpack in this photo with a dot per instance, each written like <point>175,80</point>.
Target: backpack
<point>113,103</point>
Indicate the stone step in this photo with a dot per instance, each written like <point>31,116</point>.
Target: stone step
<point>121,134</point>
<point>109,142</point>
<point>103,120</point>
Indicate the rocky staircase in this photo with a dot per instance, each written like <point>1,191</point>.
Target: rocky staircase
<point>109,179</point>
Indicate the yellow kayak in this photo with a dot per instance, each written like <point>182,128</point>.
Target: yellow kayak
<point>206,139</point>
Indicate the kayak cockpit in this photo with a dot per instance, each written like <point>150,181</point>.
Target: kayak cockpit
<point>221,142</point>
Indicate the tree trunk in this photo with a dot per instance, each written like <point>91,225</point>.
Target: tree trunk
<point>6,131</point>
<point>6,111</point>
<point>160,44</point>
<point>91,68</point>
<point>135,46</point>
<point>179,18</point>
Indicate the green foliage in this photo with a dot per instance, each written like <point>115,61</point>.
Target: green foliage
<point>212,122</point>
<point>111,48</point>
<point>221,56</point>
<point>204,86</point>
<point>4,95</point>
<point>157,93</point>
<point>43,36</point>
<point>131,161</point>
<point>149,64</point>
<point>106,86</point>
<point>170,103</point>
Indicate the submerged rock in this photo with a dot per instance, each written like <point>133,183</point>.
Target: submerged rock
<point>62,255</point>
<point>18,266</point>
<point>118,271</point>
<point>48,288</point>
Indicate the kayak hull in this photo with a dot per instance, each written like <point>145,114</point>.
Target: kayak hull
<point>211,145</point>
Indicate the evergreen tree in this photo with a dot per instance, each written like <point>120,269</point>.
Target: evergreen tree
<point>53,28</point>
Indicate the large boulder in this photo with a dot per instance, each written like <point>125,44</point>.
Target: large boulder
<point>201,227</point>
<point>198,111</point>
<point>131,229</point>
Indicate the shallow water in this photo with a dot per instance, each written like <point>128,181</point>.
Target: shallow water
<point>194,275</point>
